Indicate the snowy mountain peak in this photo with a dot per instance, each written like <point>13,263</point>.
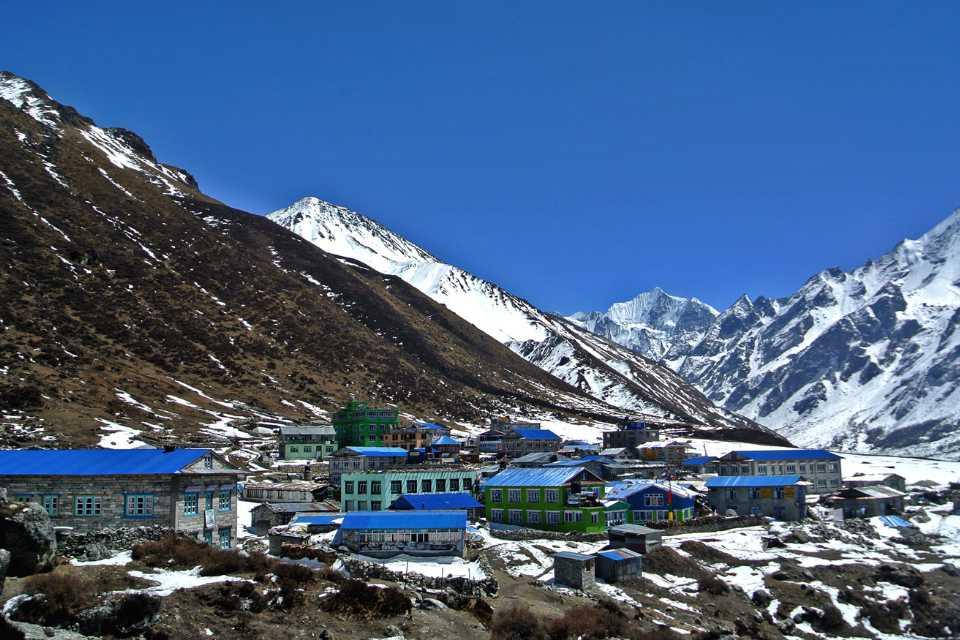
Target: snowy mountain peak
<point>344,232</point>
<point>29,98</point>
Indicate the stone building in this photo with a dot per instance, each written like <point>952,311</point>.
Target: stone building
<point>415,436</point>
<point>282,491</point>
<point>574,570</point>
<point>307,442</point>
<point>892,480</point>
<point>192,491</point>
<point>617,565</point>
<point>779,497</point>
<point>869,501</point>
<point>629,436</point>
<point>518,442</point>
<point>271,514</point>
<point>821,468</point>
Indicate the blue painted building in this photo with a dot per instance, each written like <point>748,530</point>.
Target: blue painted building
<point>653,501</point>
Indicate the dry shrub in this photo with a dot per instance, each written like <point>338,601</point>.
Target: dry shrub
<point>357,599</point>
<point>516,623</point>
<point>182,552</point>
<point>62,594</point>
<point>712,555</point>
<point>713,585</point>
<point>293,574</point>
<point>589,623</point>
<point>661,560</point>
<point>886,617</point>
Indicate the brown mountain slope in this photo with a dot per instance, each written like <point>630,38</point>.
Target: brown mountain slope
<point>130,298</point>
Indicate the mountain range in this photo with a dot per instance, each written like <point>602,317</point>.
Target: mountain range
<point>137,308</point>
<point>865,360</point>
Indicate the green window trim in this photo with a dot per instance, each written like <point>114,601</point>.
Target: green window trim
<point>224,500</point>
<point>191,503</point>
<point>139,505</point>
<point>51,504</point>
<point>87,506</point>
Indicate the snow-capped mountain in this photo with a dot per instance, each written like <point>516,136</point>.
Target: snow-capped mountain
<point>654,323</point>
<point>867,360</point>
<point>606,371</point>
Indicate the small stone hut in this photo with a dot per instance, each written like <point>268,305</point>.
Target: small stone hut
<point>574,569</point>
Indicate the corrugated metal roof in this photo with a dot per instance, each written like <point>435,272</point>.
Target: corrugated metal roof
<point>536,477</point>
<point>696,461</point>
<point>624,489</point>
<point>296,507</point>
<point>878,491</point>
<point>318,518</point>
<point>446,440</point>
<point>619,555</point>
<point>96,462</point>
<point>379,452</point>
<point>536,434</point>
<point>788,454</point>
<point>308,430</point>
<point>634,530</point>
<point>405,520</point>
<point>896,521</point>
<point>570,555</point>
<point>441,501</point>
<point>536,456</point>
<point>751,481</point>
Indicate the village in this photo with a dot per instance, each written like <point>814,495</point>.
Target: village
<point>468,516</point>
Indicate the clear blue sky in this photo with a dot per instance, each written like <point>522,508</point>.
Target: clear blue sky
<point>574,152</point>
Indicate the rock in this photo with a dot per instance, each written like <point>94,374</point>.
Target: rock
<point>4,563</point>
<point>772,542</point>
<point>96,551</point>
<point>432,603</point>
<point>798,536</point>
<point>902,575</point>
<point>123,616</point>
<point>950,569</point>
<point>26,532</point>
<point>761,598</point>
<point>36,632</point>
<point>393,631</point>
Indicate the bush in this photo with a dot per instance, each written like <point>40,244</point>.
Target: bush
<point>589,623</point>
<point>182,552</point>
<point>832,619</point>
<point>358,599</point>
<point>516,623</point>
<point>59,596</point>
<point>713,585</point>
<point>293,574</point>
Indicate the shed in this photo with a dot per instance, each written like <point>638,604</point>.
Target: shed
<point>573,569</point>
<point>635,537</point>
<point>615,565</point>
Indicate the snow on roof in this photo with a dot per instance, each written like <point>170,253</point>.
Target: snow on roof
<point>96,462</point>
<point>536,477</point>
<point>317,518</point>
<point>405,520</point>
<point>624,489</point>
<point>785,454</point>
<point>752,481</point>
<point>296,507</point>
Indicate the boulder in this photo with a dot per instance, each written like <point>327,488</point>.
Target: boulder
<point>26,532</point>
<point>4,563</point>
<point>902,575</point>
<point>123,616</point>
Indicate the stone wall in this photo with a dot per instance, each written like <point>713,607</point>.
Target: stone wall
<point>102,543</point>
<point>462,586</point>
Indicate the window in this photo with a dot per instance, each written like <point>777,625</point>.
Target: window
<point>362,487</point>
<point>87,506</point>
<point>834,482</point>
<point>516,516</point>
<point>411,486</point>
<point>572,516</point>
<point>533,517</point>
<point>595,517</point>
<point>745,470</point>
<point>468,484</point>
<point>496,495</point>
<point>553,495</point>
<point>224,537</point>
<point>23,497</point>
<point>51,504</point>
<point>441,486</point>
<point>224,500</point>
<point>208,461</point>
<point>307,448</point>
<point>533,495</point>
<point>822,467</point>
<point>396,487</point>
<point>513,496</point>
<point>191,504</point>
<point>791,468</point>
<point>361,505</point>
<point>454,484</point>
<point>653,500</point>
<point>553,517</point>
<point>294,449</point>
<point>348,505</point>
<point>209,500</point>
<point>821,482</point>
<point>733,494</point>
<point>835,466</point>
<point>376,505</point>
<point>754,493</point>
<point>762,470</point>
<point>348,486</point>
<point>138,505</point>
<point>803,468</point>
<point>778,493</point>
<point>496,515</point>
<point>426,486</point>
<point>208,536</point>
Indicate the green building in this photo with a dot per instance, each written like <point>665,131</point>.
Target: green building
<point>554,499</point>
<point>307,442</point>
<point>359,425</point>
<point>376,490</point>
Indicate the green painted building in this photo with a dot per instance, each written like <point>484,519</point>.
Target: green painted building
<point>357,425</point>
<point>553,499</point>
<point>307,442</point>
<point>376,490</point>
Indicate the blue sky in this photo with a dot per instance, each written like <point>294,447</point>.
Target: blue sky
<point>575,153</point>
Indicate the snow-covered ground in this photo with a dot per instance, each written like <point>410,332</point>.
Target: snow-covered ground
<point>438,567</point>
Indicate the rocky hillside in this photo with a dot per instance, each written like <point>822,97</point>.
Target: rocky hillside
<point>866,360</point>
<point>608,372</point>
<point>137,308</point>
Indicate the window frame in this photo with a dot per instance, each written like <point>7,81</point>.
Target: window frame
<point>191,498</point>
<point>225,493</point>
<point>147,508</point>
<point>90,509</point>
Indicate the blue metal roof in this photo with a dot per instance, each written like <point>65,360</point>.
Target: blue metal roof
<point>751,481</point>
<point>619,555</point>
<point>446,440</point>
<point>788,454</point>
<point>696,461</point>
<point>596,458</point>
<point>896,521</point>
<point>379,452</point>
<point>431,426</point>
<point>404,520</point>
<point>328,519</point>
<point>537,434</point>
<point>439,501</point>
<point>536,477</point>
<point>95,462</point>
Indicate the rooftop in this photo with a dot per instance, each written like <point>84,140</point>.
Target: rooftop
<point>536,434</point>
<point>308,430</point>
<point>437,501</point>
<point>446,440</point>
<point>96,462</point>
<point>535,477</point>
<point>405,520</point>
<point>785,454</point>
<point>378,452</point>
<point>752,481</point>
<point>620,490</point>
<point>317,518</point>
<point>697,461</point>
<point>298,507</point>
<point>634,530</point>
<point>570,555</point>
<point>619,555</point>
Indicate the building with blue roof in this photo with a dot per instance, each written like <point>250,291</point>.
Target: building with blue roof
<point>376,490</point>
<point>551,498</point>
<point>778,497</point>
<point>384,534</point>
<point>437,502</point>
<point>616,565</point>
<point>358,458</point>
<point>654,501</point>
<point>192,491</point>
<point>821,468</point>
<point>520,441</point>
